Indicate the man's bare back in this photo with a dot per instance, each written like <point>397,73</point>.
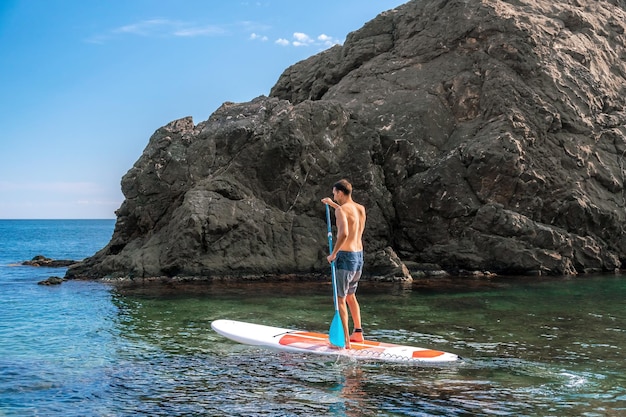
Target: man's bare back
<point>351,216</point>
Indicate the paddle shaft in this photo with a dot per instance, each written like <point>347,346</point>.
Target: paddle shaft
<point>332,264</point>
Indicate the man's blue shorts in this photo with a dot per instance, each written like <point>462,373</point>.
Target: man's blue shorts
<point>349,266</point>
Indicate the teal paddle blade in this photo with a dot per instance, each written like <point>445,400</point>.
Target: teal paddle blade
<point>335,334</point>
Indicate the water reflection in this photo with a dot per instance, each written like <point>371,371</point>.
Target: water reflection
<point>351,394</point>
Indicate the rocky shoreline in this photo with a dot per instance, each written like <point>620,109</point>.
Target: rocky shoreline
<point>420,275</point>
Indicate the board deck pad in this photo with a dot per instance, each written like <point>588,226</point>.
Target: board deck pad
<point>311,342</point>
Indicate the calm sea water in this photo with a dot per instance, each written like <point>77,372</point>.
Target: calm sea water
<point>551,347</point>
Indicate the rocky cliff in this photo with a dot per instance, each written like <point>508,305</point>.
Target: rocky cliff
<point>480,135</point>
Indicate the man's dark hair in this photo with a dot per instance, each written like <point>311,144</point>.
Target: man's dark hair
<point>344,186</point>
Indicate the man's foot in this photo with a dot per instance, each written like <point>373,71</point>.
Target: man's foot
<point>357,336</point>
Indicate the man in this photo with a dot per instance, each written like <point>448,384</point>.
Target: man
<point>348,255</point>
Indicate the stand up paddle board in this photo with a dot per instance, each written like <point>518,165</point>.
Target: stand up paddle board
<point>308,342</point>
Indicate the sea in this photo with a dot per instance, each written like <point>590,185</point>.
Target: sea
<point>540,346</point>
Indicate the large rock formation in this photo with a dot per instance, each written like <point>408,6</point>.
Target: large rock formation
<point>480,135</point>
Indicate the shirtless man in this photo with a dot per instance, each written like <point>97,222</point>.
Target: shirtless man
<point>348,255</point>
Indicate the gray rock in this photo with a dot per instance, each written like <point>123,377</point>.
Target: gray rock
<point>52,281</point>
<point>480,135</point>
<point>41,260</point>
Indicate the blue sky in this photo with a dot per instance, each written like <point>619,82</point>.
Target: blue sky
<point>85,83</point>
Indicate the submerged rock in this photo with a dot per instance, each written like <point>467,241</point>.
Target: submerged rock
<point>52,281</point>
<point>480,135</point>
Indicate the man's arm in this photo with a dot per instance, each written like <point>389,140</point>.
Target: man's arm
<point>362,222</point>
<point>342,232</point>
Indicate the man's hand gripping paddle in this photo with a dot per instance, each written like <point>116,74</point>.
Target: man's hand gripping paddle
<point>335,334</point>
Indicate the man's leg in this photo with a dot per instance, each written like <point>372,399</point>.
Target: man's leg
<point>343,313</point>
<point>355,311</point>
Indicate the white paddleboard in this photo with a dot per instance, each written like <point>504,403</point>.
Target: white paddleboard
<point>309,342</point>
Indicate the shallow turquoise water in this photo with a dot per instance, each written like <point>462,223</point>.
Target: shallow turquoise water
<point>550,347</point>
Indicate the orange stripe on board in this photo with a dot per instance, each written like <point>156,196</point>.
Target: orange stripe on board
<point>310,335</point>
<point>427,353</point>
<point>290,339</point>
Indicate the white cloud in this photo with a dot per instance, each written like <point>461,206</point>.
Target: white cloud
<point>145,27</point>
<point>159,28</point>
<point>328,41</point>
<point>163,28</point>
<point>300,39</point>
<point>254,36</point>
<point>199,31</point>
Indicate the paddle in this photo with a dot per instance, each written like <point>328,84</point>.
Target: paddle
<point>335,334</point>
